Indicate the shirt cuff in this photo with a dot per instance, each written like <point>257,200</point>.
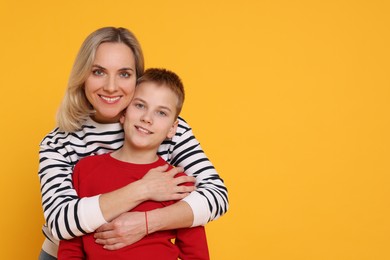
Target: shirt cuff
<point>199,208</point>
<point>91,217</point>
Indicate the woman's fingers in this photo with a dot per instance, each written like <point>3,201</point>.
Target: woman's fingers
<point>174,171</point>
<point>125,230</point>
<point>186,180</point>
<point>163,186</point>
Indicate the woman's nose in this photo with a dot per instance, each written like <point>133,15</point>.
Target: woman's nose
<point>110,85</point>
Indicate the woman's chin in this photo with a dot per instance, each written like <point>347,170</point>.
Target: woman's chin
<point>106,118</point>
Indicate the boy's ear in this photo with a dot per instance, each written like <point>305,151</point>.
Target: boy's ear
<point>122,118</point>
<point>172,130</point>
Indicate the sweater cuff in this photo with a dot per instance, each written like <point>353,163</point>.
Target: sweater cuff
<point>199,208</point>
<point>91,217</point>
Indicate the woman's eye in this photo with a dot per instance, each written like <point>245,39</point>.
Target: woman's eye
<point>125,74</point>
<point>97,72</point>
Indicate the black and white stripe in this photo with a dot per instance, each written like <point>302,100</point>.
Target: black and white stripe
<point>60,151</point>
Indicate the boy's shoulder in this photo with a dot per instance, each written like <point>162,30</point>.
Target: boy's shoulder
<point>92,160</point>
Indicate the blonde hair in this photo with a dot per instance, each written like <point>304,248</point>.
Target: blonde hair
<point>167,78</point>
<point>75,107</point>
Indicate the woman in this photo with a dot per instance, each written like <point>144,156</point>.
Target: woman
<point>100,87</point>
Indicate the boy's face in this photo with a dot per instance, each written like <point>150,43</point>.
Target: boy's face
<point>151,116</point>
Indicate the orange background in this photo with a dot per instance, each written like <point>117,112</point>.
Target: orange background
<point>290,100</point>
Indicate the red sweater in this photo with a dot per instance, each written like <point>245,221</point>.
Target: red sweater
<point>99,174</point>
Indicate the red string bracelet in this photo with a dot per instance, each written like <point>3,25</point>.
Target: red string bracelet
<point>146,223</point>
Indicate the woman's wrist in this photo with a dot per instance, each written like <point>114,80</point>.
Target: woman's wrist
<point>178,215</point>
<point>154,221</point>
<point>114,203</point>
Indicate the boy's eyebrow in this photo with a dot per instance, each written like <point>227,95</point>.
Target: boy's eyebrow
<point>162,107</point>
<point>166,108</point>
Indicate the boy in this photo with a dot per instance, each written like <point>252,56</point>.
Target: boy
<point>150,118</point>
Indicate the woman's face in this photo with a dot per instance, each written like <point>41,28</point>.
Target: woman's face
<point>111,83</point>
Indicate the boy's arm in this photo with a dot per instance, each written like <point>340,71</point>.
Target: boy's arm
<point>71,249</point>
<point>192,243</point>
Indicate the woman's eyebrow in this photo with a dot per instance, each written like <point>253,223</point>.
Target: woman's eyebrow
<point>103,68</point>
<point>98,66</point>
<point>125,68</point>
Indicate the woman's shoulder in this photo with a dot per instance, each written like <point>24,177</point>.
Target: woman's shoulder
<point>89,129</point>
<point>54,136</point>
<point>183,126</point>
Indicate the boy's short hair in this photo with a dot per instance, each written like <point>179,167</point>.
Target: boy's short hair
<point>164,77</point>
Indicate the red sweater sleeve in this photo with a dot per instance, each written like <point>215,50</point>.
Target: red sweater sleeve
<point>192,243</point>
<point>71,249</point>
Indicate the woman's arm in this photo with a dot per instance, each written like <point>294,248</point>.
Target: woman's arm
<point>158,185</point>
<point>210,200</point>
<point>67,215</point>
<point>207,203</point>
<point>61,205</point>
<point>133,226</point>
<point>130,227</point>
<point>178,215</point>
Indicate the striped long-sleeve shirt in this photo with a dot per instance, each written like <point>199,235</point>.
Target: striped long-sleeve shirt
<point>68,216</point>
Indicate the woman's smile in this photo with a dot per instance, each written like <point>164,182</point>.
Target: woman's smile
<point>110,100</point>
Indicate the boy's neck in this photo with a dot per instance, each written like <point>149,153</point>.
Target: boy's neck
<point>134,155</point>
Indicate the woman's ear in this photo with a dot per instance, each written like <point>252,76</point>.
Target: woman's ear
<point>172,130</point>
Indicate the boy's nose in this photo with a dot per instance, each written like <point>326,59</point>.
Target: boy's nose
<point>146,118</point>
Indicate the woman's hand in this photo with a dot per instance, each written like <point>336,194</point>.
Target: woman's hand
<point>130,227</point>
<point>162,186</point>
<point>156,185</point>
<point>125,230</point>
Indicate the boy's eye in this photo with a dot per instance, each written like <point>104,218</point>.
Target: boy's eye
<point>161,113</point>
<point>138,105</point>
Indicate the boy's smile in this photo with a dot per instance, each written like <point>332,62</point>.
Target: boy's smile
<point>151,116</point>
